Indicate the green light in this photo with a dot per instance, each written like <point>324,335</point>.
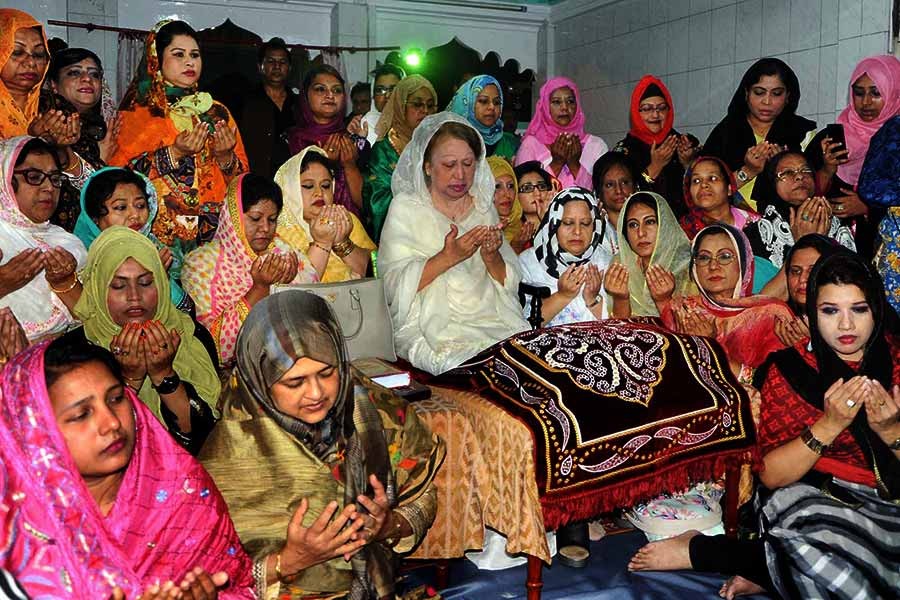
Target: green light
<point>412,57</point>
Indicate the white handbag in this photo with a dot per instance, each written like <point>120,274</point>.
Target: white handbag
<point>362,311</point>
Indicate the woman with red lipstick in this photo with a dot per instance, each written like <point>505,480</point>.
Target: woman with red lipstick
<point>556,135</point>
<point>320,112</point>
<point>722,268</point>
<point>659,152</point>
<point>117,196</point>
<point>38,260</point>
<point>331,236</point>
<point>238,268</point>
<point>412,100</point>
<point>790,209</point>
<point>166,357</point>
<point>113,507</point>
<point>761,122</point>
<point>655,253</point>
<point>182,139</point>
<point>23,63</point>
<point>830,439</point>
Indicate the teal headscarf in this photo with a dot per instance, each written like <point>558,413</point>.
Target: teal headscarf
<point>87,231</point>
<point>463,104</point>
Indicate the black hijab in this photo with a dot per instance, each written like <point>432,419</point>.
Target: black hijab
<point>822,244</point>
<point>733,136</point>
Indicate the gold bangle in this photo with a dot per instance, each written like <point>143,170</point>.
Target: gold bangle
<point>344,249</point>
<point>647,177</point>
<point>68,289</point>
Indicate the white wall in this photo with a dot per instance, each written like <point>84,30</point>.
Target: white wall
<point>701,49</point>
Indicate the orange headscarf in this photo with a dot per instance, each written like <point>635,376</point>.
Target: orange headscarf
<point>13,121</point>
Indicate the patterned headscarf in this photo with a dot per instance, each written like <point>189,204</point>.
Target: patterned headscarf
<point>463,104</point>
<point>884,71</point>
<point>392,124</point>
<point>168,516</point>
<point>741,245</point>
<point>112,248</point>
<point>542,125</point>
<point>546,244</point>
<point>163,99</point>
<point>500,166</point>
<point>14,121</point>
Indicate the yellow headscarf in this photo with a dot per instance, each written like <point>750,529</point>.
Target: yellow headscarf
<point>13,120</point>
<point>392,124</point>
<point>113,247</point>
<point>499,166</point>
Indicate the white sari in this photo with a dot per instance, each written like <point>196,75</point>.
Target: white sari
<point>40,312</point>
<point>464,310</point>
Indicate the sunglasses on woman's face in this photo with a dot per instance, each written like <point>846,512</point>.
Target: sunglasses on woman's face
<point>36,177</point>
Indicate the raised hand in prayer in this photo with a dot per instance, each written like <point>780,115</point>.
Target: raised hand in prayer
<point>570,281</point>
<point>21,268</point>
<point>189,142</point>
<point>127,348</point>
<point>348,151</point>
<point>661,154</point>
<point>12,336</point>
<point>457,249</point>
<point>573,152</point>
<point>110,142</point>
<point>756,156</point>
<point>848,205</point>
<point>812,216</point>
<point>159,347</point>
<point>661,284</point>
<point>269,269</point>
<point>325,539</point>
<point>224,140</point>
<point>490,244</point>
<point>357,126</point>
<point>593,282</point>
<point>165,255</point>
<point>165,591</point>
<point>524,237</point>
<point>789,332</point>
<point>200,585</point>
<point>687,151</point>
<point>56,127</point>
<point>59,267</point>
<point>842,401</point>
<point>882,410</point>
<point>693,322</point>
<point>332,226</point>
<point>615,281</point>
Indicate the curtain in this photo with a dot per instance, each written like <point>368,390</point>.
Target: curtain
<point>131,51</point>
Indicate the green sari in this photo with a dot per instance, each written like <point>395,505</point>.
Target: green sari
<point>377,194</point>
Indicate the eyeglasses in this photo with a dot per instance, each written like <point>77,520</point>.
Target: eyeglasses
<point>420,106</point>
<point>384,90</point>
<point>794,173</point>
<point>36,177</point>
<point>722,259</point>
<point>19,55</point>
<point>78,73</point>
<point>527,188</point>
<point>649,108</point>
<point>504,186</point>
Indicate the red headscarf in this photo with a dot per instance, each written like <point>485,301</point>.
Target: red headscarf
<point>693,222</point>
<point>638,127</point>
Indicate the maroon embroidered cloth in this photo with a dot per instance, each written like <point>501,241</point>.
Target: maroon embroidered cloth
<point>619,410</point>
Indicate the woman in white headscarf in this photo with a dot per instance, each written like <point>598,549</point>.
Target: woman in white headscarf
<point>450,277</point>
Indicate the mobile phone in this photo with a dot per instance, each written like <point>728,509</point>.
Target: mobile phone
<point>836,132</point>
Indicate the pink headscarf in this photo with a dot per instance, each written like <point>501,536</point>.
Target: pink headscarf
<point>542,125</point>
<point>168,517</point>
<point>884,70</point>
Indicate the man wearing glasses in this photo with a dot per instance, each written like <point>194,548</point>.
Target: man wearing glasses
<point>386,79</point>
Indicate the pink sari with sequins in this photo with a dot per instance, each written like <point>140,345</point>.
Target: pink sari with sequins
<point>168,516</point>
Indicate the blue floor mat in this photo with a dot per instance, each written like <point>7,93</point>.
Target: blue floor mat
<point>605,577</point>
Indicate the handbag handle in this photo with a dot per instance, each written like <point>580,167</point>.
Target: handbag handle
<point>355,305</point>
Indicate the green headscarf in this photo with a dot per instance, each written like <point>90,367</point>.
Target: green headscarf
<point>672,252</point>
<point>113,247</point>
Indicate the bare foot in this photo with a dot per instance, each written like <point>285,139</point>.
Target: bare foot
<point>738,586</point>
<point>665,555</point>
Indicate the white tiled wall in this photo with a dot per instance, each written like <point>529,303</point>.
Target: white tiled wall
<point>701,49</point>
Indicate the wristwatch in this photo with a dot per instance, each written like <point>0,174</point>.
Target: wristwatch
<point>811,442</point>
<point>168,385</point>
<point>742,176</point>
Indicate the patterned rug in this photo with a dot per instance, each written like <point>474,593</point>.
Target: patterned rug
<point>619,410</point>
